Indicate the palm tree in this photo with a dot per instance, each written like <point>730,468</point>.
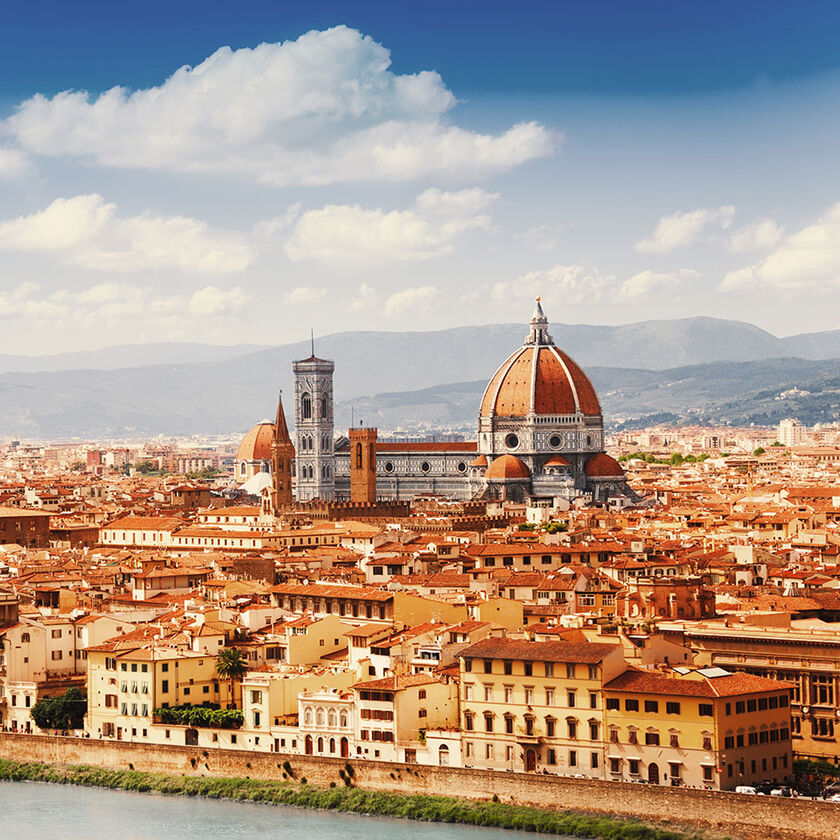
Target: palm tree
<point>231,665</point>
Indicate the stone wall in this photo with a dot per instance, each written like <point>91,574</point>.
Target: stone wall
<point>748,817</point>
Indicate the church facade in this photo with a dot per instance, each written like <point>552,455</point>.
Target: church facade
<point>540,435</point>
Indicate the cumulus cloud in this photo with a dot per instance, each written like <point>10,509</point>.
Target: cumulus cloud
<point>87,231</point>
<point>322,109</point>
<point>365,298</point>
<point>645,282</point>
<point>418,299</point>
<point>758,235</point>
<point>680,230</point>
<point>809,258</point>
<point>339,232</point>
<point>559,284</point>
<point>304,294</point>
<point>13,163</point>
<point>113,303</point>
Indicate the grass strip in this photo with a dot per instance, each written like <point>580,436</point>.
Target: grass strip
<point>349,799</point>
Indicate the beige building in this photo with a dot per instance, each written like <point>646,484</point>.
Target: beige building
<point>536,706</point>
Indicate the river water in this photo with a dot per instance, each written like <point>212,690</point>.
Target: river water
<point>33,811</point>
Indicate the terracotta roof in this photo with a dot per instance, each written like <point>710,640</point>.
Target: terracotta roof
<point>396,683</point>
<point>507,467</point>
<point>554,385</point>
<point>693,685</point>
<point>602,465</point>
<point>572,652</point>
<point>256,445</point>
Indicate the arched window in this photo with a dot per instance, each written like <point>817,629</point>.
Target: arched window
<point>332,718</point>
<point>307,716</point>
<point>358,456</point>
<point>320,719</point>
<point>332,745</point>
<point>324,409</point>
<point>306,407</point>
<point>320,745</point>
<point>344,720</point>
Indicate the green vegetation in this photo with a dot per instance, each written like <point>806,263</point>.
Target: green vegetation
<point>203,473</point>
<point>231,665</point>
<point>349,799</point>
<point>556,527</point>
<point>675,460</point>
<point>759,451</point>
<point>148,468</point>
<point>205,715</point>
<point>65,712</point>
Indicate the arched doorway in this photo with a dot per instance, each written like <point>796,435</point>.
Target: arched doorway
<point>530,760</point>
<point>345,748</point>
<point>191,737</point>
<point>320,746</point>
<point>443,755</point>
<point>308,745</point>
<point>653,774</point>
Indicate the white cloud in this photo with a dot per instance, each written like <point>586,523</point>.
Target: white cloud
<point>87,231</point>
<point>645,282</point>
<point>680,230</point>
<point>365,298</point>
<point>340,232</point>
<point>214,301</point>
<point>418,299</point>
<point>322,109</point>
<point>303,295</point>
<point>542,237</point>
<point>557,285</point>
<point>809,258</point>
<point>13,163</point>
<point>114,303</point>
<point>758,235</point>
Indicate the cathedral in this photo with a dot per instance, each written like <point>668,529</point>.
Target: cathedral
<point>540,436</point>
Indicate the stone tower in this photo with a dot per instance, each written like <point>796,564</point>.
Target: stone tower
<point>282,455</point>
<point>314,425</point>
<point>363,466</point>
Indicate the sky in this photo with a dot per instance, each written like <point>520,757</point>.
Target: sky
<point>245,172</point>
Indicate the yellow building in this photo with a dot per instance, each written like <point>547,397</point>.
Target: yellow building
<point>536,706</point>
<point>706,728</point>
<point>127,681</point>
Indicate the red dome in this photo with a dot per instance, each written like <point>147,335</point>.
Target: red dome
<point>551,384</point>
<point>507,467</point>
<point>603,466</point>
<point>557,461</point>
<point>256,445</point>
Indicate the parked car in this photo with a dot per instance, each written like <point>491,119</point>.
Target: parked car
<point>749,789</point>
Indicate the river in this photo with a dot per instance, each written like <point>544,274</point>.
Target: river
<point>33,811</point>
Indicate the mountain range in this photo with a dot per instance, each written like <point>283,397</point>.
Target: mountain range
<point>686,369</point>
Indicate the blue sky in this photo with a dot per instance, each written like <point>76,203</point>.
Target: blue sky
<point>624,160</point>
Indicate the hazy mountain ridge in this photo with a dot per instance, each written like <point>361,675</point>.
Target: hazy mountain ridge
<point>421,377</point>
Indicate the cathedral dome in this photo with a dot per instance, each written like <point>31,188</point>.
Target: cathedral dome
<point>507,467</point>
<point>602,465</point>
<point>256,445</point>
<point>539,379</point>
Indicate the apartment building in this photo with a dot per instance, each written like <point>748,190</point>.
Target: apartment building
<point>536,706</point>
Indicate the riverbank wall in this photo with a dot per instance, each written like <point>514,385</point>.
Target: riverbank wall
<point>747,817</point>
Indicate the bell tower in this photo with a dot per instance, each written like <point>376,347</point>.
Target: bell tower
<point>363,466</point>
<point>282,455</point>
<point>314,429</point>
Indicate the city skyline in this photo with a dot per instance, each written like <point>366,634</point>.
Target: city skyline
<point>394,170</point>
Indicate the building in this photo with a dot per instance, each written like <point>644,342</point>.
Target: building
<point>791,432</point>
<point>536,706</point>
<point>705,728</point>
<point>27,528</point>
<point>540,436</point>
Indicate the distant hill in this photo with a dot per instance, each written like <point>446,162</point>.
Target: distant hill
<point>682,367</point>
<point>228,396</point>
<point>126,356</point>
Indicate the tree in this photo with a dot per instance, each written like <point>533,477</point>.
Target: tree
<point>759,451</point>
<point>65,712</point>
<point>231,665</point>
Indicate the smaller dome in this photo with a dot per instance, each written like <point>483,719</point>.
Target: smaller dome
<point>603,466</point>
<point>507,467</point>
<point>256,445</point>
<point>557,461</point>
<point>481,461</point>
